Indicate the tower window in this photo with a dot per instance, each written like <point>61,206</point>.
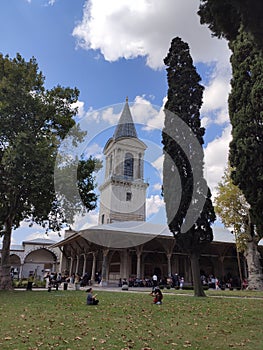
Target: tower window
<point>110,170</point>
<point>128,196</point>
<point>102,218</point>
<point>128,165</point>
<point>140,166</point>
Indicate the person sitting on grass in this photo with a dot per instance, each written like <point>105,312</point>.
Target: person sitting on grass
<point>91,299</point>
<point>158,296</point>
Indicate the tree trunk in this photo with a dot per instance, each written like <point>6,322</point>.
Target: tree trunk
<point>5,277</point>
<point>195,266</point>
<point>255,277</point>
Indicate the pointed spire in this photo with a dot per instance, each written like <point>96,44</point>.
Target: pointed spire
<point>125,127</point>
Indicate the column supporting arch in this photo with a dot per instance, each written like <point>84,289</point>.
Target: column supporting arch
<point>105,268</point>
<point>71,266</point>
<point>93,269</point>
<point>77,265</point>
<point>169,268</point>
<point>84,264</point>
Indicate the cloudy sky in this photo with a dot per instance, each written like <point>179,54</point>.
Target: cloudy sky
<point>111,49</point>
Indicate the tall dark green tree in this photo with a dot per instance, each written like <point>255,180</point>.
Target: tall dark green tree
<point>225,17</point>
<point>189,209</point>
<point>33,122</point>
<point>246,116</point>
<point>240,22</point>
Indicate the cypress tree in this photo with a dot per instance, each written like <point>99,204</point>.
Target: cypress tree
<point>224,18</point>
<point>246,116</point>
<point>189,209</point>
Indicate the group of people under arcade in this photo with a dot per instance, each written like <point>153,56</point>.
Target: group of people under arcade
<point>53,280</point>
<point>175,281</point>
<point>227,282</point>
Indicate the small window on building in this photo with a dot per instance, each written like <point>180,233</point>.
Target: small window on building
<point>110,170</point>
<point>128,165</point>
<point>102,218</point>
<point>128,196</point>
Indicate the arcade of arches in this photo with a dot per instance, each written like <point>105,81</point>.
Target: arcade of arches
<point>159,255</point>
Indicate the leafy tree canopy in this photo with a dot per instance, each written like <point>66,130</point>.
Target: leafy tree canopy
<point>233,209</point>
<point>33,122</point>
<point>225,17</point>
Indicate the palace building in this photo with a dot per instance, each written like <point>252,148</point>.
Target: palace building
<point>124,245</point>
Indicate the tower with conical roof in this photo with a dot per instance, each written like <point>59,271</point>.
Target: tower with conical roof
<point>123,193</point>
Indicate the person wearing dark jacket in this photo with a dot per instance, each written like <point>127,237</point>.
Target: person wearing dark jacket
<point>91,299</point>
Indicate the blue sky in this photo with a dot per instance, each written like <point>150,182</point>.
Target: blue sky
<point>110,49</point>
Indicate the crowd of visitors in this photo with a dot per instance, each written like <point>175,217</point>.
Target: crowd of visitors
<point>229,282</point>
<point>173,281</point>
<point>53,280</point>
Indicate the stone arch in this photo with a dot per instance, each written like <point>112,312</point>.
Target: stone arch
<point>154,264</point>
<point>53,252</point>
<point>38,261</point>
<point>15,263</point>
<point>15,260</point>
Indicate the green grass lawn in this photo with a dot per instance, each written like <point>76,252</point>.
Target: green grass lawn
<point>127,320</point>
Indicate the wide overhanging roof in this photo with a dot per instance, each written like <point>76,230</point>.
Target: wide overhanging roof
<point>123,234</point>
<point>127,234</point>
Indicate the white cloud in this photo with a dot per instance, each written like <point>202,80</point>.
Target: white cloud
<point>109,116</point>
<point>153,204</point>
<point>156,118</point>
<point>158,165</point>
<point>49,2</point>
<point>222,116</point>
<point>216,94</point>
<point>80,106</point>
<point>54,236</point>
<point>143,111</point>
<point>83,222</point>
<point>215,106</point>
<point>216,158</point>
<point>135,28</point>
<point>157,187</point>
<point>215,97</point>
<point>94,150</point>
<point>205,121</point>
